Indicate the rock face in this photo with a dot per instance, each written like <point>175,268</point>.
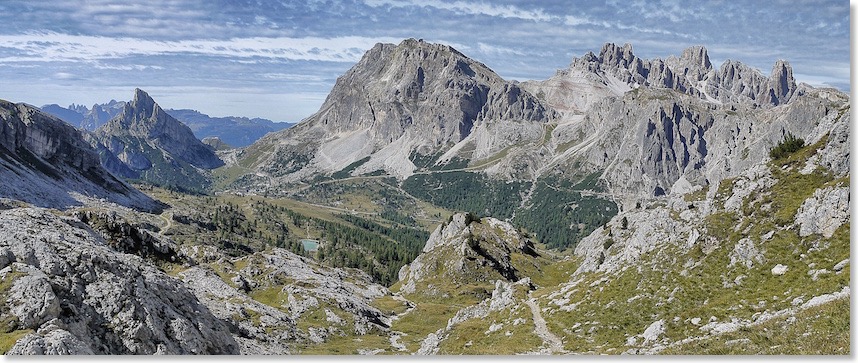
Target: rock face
<point>641,124</point>
<point>78,296</point>
<point>824,212</point>
<point>647,124</point>
<point>467,249</point>
<point>303,289</point>
<point>153,146</point>
<point>398,101</point>
<point>45,161</point>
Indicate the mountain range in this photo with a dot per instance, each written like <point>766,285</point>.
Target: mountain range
<point>622,206</point>
<point>234,131</point>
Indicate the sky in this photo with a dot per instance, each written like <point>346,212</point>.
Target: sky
<point>279,59</point>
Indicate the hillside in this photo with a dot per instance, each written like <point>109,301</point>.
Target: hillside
<point>46,162</point>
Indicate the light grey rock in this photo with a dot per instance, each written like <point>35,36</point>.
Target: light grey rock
<point>467,250</point>
<point>31,298</point>
<point>840,265</point>
<point>845,292</point>
<point>823,212</point>
<point>653,332</point>
<point>745,252</point>
<point>414,98</point>
<point>69,265</point>
<point>779,269</point>
<point>50,339</point>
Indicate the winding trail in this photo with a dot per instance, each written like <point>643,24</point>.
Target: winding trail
<point>555,345</point>
<point>168,221</point>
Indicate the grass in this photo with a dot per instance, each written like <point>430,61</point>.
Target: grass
<point>271,296</point>
<point>9,334</point>
<point>473,336</point>
<point>390,306</point>
<point>349,345</point>
<point>821,330</point>
<point>8,340</point>
<point>427,317</point>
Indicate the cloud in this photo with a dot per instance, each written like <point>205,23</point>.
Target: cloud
<point>55,47</point>
<point>471,8</point>
<point>65,76</point>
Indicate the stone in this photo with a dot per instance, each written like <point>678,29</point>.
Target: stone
<point>746,253</point>
<point>74,284</point>
<point>779,270</point>
<point>653,332</point>
<point>823,212</point>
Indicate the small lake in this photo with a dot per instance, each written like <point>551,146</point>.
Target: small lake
<point>310,245</point>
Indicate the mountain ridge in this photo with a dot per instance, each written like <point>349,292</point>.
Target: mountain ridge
<point>47,162</point>
<point>151,145</point>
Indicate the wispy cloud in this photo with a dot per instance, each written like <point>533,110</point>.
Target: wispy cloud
<point>472,8</point>
<point>55,47</point>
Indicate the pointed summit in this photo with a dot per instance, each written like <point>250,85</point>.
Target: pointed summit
<point>143,102</point>
<point>154,145</point>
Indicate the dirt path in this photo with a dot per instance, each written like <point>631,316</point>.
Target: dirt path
<point>168,221</point>
<point>555,345</point>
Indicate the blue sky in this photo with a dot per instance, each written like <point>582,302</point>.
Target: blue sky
<point>279,59</point>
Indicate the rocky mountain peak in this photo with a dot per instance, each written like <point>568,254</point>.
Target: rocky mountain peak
<point>614,55</point>
<point>781,83</point>
<point>401,99</point>
<point>144,103</point>
<point>697,56</point>
<point>143,141</point>
<point>691,73</point>
<point>468,248</point>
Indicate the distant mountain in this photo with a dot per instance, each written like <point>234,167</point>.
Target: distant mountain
<point>233,130</point>
<point>46,162</point>
<point>144,142</point>
<point>69,115</point>
<point>86,118</point>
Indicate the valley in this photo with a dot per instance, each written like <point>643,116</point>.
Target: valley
<point>622,206</point>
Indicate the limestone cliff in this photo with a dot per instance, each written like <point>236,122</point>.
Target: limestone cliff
<point>46,162</point>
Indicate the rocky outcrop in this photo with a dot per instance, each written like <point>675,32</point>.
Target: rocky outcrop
<point>467,249</point>
<point>154,146</point>
<point>78,296</point>
<point>824,212</point>
<point>45,161</point>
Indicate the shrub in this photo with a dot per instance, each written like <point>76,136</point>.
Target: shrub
<point>788,145</point>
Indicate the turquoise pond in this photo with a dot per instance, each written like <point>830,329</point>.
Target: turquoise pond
<point>310,245</point>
